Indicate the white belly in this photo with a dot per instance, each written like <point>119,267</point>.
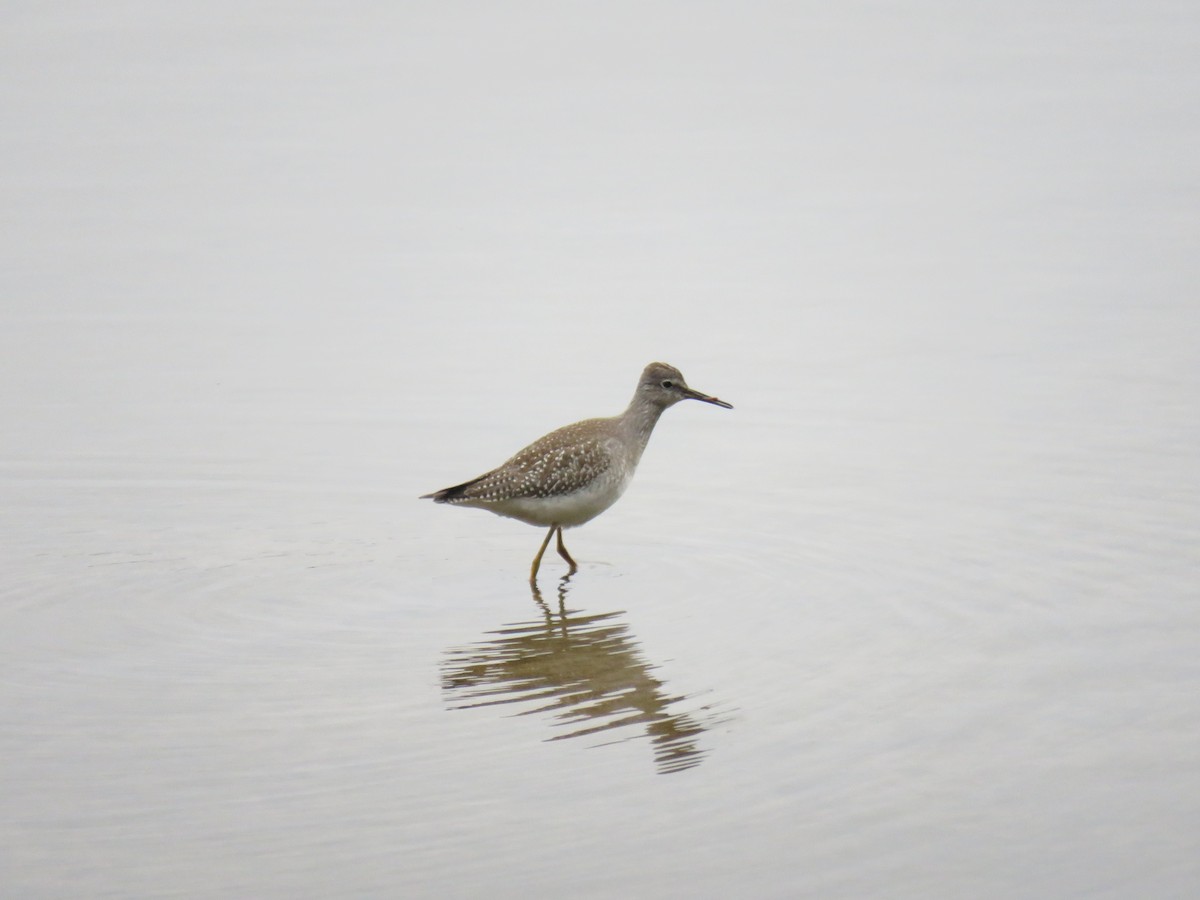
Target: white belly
<point>566,510</point>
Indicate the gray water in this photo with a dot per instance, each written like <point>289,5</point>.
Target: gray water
<point>918,617</point>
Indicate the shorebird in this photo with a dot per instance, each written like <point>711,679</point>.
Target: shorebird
<point>576,472</point>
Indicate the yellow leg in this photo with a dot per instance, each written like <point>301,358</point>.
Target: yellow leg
<point>537,560</point>
<point>562,551</point>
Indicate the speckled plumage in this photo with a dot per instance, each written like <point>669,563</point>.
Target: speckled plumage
<point>550,481</point>
<point>574,473</point>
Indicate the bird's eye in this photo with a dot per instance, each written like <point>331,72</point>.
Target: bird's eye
<point>668,384</point>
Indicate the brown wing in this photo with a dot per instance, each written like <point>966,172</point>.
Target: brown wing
<point>559,463</point>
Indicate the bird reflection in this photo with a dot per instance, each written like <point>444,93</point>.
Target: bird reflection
<point>585,671</point>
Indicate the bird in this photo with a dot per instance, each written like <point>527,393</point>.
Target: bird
<point>571,475</point>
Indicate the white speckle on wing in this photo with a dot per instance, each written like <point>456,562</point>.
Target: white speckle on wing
<point>567,477</point>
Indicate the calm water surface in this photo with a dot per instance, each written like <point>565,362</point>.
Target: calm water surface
<point>918,617</point>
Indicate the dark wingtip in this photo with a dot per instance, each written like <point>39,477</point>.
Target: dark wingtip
<point>445,495</point>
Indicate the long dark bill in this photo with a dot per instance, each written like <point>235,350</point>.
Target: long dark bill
<point>696,395</point>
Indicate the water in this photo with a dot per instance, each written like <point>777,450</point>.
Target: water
<point>917,618</point>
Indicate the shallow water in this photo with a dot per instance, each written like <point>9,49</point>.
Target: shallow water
<point>916,618</point>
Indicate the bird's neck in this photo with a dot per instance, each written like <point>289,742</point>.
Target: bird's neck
<point>638,422</point>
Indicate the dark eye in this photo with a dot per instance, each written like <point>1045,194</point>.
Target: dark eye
<point>668,384</point>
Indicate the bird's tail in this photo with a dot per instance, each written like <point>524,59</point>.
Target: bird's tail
<point>448,495</point>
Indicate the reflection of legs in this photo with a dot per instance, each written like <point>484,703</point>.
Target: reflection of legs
<point>537,560</point>
<point>562,551</point>
<point>557,621</point>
